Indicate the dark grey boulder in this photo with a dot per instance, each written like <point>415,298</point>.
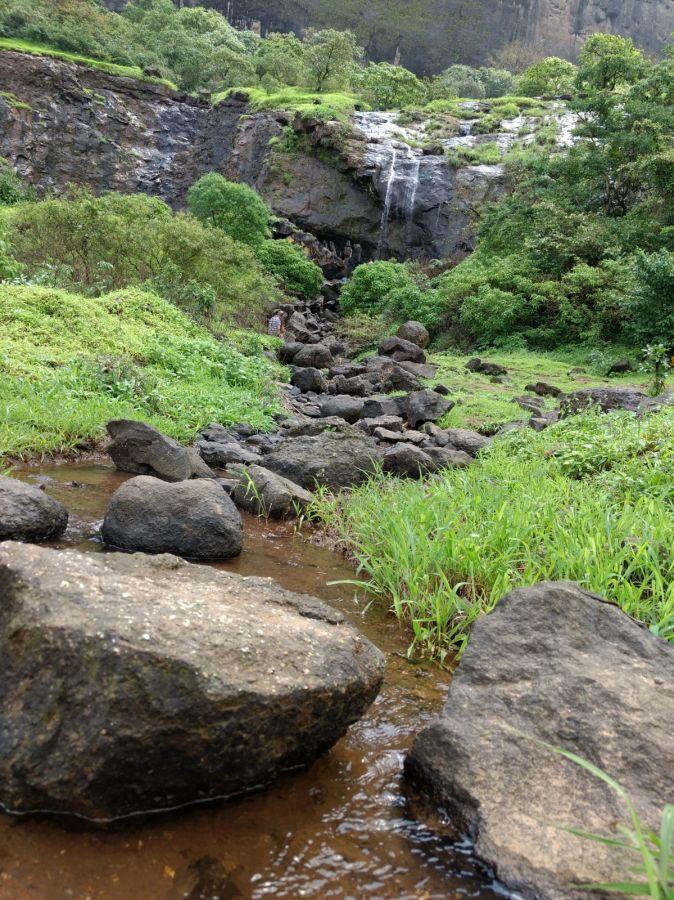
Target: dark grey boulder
<point>620,367</point>
<point>381,405</point>
<point>265,493</point>
<point>391,423</point>
<point>332,459</point>
<point>464,439</point>
<point>485,367</point>
<point>342,406</point>
<point>310,427</point>
<point>552,663</point>
<point>543,389</point>
<point>309,379</point>
<point>395,378</point>
<point>28,514</point>
<point>386,435</point>
<point>425,406</point>
<point>356,386</point>
<point>415,333</point>
<point>194,519</point>
<point>142,450</point>
<point>401,350</point>
<point>222,455</point>
<point>606,399</point>
<point>348,370</point>
<point>288,351</point>
<point>406,460</point>
<point>535,405</point>
<point>316,355</point>
<point>447,458</point>
<point>149,683</point>
<point>441,389</point>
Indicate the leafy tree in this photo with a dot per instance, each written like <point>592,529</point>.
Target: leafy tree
<point>652,305</point>
<point>458,81</point>
<point>331,58</point>
<point>609,60</point>
<point>390,87</point>
<point>235,208</point>
<point>281,56</point>
<point>496,82</point>
<point>289,264</point>
<point>548,78</point>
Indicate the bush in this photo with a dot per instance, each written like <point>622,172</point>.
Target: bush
<point>550,77</point>
<point>390,87</point>
<point>371,285</point>
<point>291,267</point>
<point>96,244</point>
<point>11,189</point>
<point>651,308</point>
<point>362,331</point>
<point>235,208</point>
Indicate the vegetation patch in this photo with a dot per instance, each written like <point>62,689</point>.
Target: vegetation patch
<point>69,363</point>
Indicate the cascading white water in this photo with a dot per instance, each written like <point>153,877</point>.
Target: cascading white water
<point>386,210</point>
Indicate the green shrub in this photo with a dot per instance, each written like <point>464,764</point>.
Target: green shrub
<point>235,208</point>
<point>97,244</point>
<point>69,363</point>
<point>550,77</point>
<point>11,189</point>
<point>362,331</point>
<point>390,87</point>
<point>290,265</point>
<point>651,308</point>
<point>370,286</point>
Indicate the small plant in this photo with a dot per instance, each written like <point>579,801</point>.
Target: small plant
<point>656,361</point>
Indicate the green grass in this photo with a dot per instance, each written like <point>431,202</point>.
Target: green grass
<point>589,500</point>
<point>108,67</point>
<point>486,154</point>
<point>484,403</point>
<point>70,363</point>
<point>13,101</point>
<point>327,106</point>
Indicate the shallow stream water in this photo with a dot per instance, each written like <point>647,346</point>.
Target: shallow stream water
<point>346,827</point>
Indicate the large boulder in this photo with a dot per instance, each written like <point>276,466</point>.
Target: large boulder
<point>552,663</point>
<point>318,356</point>
<point>142,450</point>
<point>220,455</point>
<point>28,514</point>
<point>406,460</point>
<point>415,333</point>
<point>396,378</point>
<point>332,459</point>
<point>148,682</point>
<point>464,439</point>
<point>425,406</point>
<point>606,399</point>
<point>401,350</point>
<point>299,427</point>
<point>309,379</point>
<point>194,519</point>
<point>341,406</point>
<point>380,405</point>
<point>265,493</point>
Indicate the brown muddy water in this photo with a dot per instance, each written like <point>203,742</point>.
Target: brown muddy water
<point>346,827</point>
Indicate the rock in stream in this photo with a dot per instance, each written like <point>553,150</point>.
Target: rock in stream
<point>136,683</point>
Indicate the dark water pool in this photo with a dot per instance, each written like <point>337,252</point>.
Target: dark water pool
<point>346,827</point>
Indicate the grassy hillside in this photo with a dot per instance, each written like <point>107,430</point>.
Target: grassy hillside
<point>70,363</point>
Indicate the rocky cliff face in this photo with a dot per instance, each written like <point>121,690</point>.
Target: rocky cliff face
<point>62,123</point>
<point>430,35</point>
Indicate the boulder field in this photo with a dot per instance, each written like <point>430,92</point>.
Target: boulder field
<point>557,664</point>
<point>134,683</point>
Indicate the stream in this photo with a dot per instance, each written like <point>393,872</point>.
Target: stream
<point>345,827</point>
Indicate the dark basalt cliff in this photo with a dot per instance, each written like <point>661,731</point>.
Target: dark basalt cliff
<point>429,35</point>
<point>62,123</point>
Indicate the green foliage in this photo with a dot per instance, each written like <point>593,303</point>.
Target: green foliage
<point>281,56</point>
<point>607,61</point>
<point>466,81</point>
<point>651,307</point>
<point>331,58</point>
<point>362,331</point>
<point>550,77</point>
<point>11,189</point>
<point>290,265</point>
<point>390,87</point>
<point>96,244</point>
<point>656,361</point>
<point>486,154</point>
<point>235,208</point>
<point>69,363</point>
<point>370,286</point>
<point>527,512</point>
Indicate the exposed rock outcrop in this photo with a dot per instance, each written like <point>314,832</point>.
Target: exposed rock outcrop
<point>148,682</point>
<point>552,663</point>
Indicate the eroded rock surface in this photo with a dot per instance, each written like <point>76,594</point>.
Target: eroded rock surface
<point>147,682</point>
<point>558,664</point>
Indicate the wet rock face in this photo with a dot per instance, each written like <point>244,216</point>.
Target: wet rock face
<point>148,683</point>
<point>28,514</point>
<point>194,519</point>
<point>558,664</point>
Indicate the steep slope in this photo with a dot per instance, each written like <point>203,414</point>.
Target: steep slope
<point>429,35</point>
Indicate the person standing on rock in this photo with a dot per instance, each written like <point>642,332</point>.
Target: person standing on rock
<point>276,326</point>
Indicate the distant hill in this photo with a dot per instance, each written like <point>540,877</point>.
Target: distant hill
<point>429,35</point>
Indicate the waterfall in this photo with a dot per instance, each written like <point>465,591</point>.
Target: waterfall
<point>386,210</point>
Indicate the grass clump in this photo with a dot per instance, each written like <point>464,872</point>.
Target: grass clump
<point>487,154</point>
<point>329,106</point>
<point>110,68</point>
<point>69,363</point>
<point>529,510</point>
